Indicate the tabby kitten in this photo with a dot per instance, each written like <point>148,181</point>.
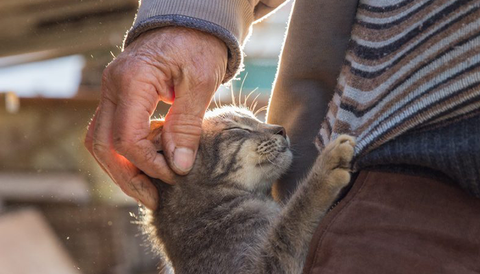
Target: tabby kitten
<point>220,218</point>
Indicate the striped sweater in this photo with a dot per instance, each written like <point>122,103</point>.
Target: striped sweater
<point>410,66</point>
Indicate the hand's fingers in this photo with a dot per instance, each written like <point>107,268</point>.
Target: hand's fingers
<point>88,142</point>
<point>133,182</point>
<point>131,129</point>
<point>176,64</point>
<point>122,172</point>
<point>183,124</point>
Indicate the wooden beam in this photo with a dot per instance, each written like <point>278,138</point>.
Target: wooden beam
<point>92,37</point>
<point>41,16</point>
<point>25,6</point>
<point>72,26</point>
<point>62,187</point>
<point>30,57</point>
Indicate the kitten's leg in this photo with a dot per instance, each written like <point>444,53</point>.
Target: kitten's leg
<point>288,241</point>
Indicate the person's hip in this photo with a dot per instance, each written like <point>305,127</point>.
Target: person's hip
<point>398,223</point>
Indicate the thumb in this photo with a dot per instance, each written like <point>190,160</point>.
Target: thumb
<point>183,127</point>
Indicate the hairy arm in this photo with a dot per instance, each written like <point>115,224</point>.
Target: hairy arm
<point>313,55</point>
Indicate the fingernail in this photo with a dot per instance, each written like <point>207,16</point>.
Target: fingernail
<point>183,158</point>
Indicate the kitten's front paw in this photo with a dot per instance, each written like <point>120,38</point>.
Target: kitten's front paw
<point>337,158</point>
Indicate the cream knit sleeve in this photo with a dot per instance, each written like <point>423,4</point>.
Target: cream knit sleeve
<point>229,20</point>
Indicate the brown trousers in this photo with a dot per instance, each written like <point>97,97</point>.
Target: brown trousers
<point>397,223</point>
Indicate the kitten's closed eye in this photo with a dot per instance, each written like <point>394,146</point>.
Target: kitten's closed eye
<point>238,128</point>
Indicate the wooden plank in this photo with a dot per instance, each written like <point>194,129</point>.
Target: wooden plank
<point>28,245</point>
<point>17,6</point>
<point>66,26</point>
<point>61,187</point>
<point>30,57</point>
<point>31,19</point>
<point>91,37</point>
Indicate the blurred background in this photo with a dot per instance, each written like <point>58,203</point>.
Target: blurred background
<point>59,213</point>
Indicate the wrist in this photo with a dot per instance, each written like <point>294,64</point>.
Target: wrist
<point>182,46</point>
<point>234,52</point>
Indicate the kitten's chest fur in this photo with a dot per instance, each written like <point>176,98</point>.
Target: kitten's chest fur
<point>208,227</point>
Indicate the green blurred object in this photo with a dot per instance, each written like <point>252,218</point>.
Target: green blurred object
<point>258,74</point>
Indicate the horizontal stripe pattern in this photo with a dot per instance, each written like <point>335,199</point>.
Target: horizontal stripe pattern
<point>383,5</point>
<point>411,65</point>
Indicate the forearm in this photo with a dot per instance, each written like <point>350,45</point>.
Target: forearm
<point>311,61</point>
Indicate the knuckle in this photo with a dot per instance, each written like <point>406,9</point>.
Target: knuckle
<point>186,124</point>
<point>121,145</point>
<point>149,154</point>
<point>88,141</point>
<point>99,149</point>
<point>134,151</point>
<point>126,188</point>
<point>107,72</point>
<point>143,154</point>
<point>117,70</point>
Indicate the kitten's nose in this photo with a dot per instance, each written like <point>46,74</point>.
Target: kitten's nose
<point>279,130</point>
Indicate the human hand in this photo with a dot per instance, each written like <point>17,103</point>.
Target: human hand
<point>179,66</point>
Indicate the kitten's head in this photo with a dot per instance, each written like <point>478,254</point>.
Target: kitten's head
<point>238,150</point>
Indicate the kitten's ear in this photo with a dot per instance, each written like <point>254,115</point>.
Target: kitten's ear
<point>156,127</point>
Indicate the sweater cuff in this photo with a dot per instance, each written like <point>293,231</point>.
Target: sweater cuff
<point>229,21</point>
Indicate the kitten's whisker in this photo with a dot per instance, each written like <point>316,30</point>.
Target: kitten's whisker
<point>254,106</point>
<point>215,99</point>
<point>268,159</point>
<point>253,102</point>
<point>264,108</point>
<point>233,95</point>
<point>260,164</point>
<point>241,89</point>
<point>219,99</point>
<point>248,96</point>
<point>293,150</point>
